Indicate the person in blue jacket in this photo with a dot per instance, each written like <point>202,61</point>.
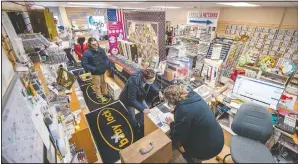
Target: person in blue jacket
<point>194,124</point>
<point>135,92</point>
<point>95,60</point>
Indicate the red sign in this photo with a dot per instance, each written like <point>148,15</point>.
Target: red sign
<point>115,32</point>
<point>210,15</point>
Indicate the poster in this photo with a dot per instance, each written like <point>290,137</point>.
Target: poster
<point>145,35</point>
<point>115,32</point>
<point>97,23</point>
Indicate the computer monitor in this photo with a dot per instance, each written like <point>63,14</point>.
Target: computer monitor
<point>257,91</point>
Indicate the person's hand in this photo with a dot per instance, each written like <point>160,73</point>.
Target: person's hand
<point>169,120</point>
<point>161,96</point>
<point>172,109</point>
<point>146,111</point>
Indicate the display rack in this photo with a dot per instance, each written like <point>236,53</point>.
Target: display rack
<point>278,42</point>
<point>232,58</point>
<point>31,41</point>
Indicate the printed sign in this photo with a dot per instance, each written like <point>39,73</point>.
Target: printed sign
<point>74,16</point>
<point>204,18</point>
<point>115,32</point>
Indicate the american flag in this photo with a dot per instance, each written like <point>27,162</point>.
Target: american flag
<point>112,15</point>
<point>116,15</point>
<point>120,18</point>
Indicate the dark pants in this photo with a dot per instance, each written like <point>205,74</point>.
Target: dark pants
<point>132,115</point>
<point>69,55</point>
<point>138,126</point>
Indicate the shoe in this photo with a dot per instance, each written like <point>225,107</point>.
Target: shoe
<point>108,96</point>
<point>103,100</point>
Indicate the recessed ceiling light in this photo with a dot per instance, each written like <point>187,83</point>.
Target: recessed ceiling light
<point>238,4</point>
<point>88,4</point>
<point>166,7</point>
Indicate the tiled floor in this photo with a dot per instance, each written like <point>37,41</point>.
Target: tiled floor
<point>178,158</point>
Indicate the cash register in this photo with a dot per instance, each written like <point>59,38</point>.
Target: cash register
<point>287,123</point>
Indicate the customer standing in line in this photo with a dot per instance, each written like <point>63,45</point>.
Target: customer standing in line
<point>134,94</point>
<point>194,124</point>
<point>80,47</point>
<point>65,36</point>
<point>96,61</point>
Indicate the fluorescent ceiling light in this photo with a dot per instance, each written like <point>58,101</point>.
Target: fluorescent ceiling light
<point>166,7</point>
<point>37,7</point>
<point>132,8</point>
<point>238,4</point>
<point>88,4</point>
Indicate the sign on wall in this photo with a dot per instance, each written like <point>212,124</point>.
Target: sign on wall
<point>203,17</point>
<point>75,16</point>
<point>98,12</point>
<point>115,32</point>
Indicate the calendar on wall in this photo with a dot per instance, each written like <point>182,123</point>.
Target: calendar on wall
<point>21,142</point>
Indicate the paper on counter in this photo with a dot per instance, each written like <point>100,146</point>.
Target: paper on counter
<point>235,105</point>
<point>154,115</point>
<point>163,117</point>
<point>37,119</point>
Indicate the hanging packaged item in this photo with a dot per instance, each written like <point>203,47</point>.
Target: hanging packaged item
<point>65,78</point>
<point>216,52</point>
<point>211,72</point>
<point>266,63</point>
<point>237,72</point>
<point>288,67</point>
<point>249,57</point>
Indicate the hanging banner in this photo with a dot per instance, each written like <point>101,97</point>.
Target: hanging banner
<point>115,32</point>
<point>203,18</point>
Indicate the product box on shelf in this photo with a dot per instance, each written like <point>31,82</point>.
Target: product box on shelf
<point>114,90</point>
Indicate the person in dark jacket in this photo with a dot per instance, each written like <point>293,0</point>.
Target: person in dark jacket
<point>95,60</point>
<point>194,124</point>
<point>135,92</point>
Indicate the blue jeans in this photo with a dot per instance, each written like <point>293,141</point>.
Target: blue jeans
<point>132,115</point>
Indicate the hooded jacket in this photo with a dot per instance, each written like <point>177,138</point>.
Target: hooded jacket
<point>96,62</point>
<point>135,91</point>
<point>195,125</point>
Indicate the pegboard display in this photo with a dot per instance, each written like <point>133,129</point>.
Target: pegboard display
<point>271,41</point>
<point>202,51</point>
<point>225,43</point>
<point>232,58</point>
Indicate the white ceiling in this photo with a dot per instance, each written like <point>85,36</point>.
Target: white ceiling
<point>149,3</point>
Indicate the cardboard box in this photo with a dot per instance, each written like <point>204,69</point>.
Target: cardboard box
<point>169,74</point>
<point>161,152</point>
<point>114,90</point>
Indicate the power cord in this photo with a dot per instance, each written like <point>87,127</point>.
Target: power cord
<point>280,147</point>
